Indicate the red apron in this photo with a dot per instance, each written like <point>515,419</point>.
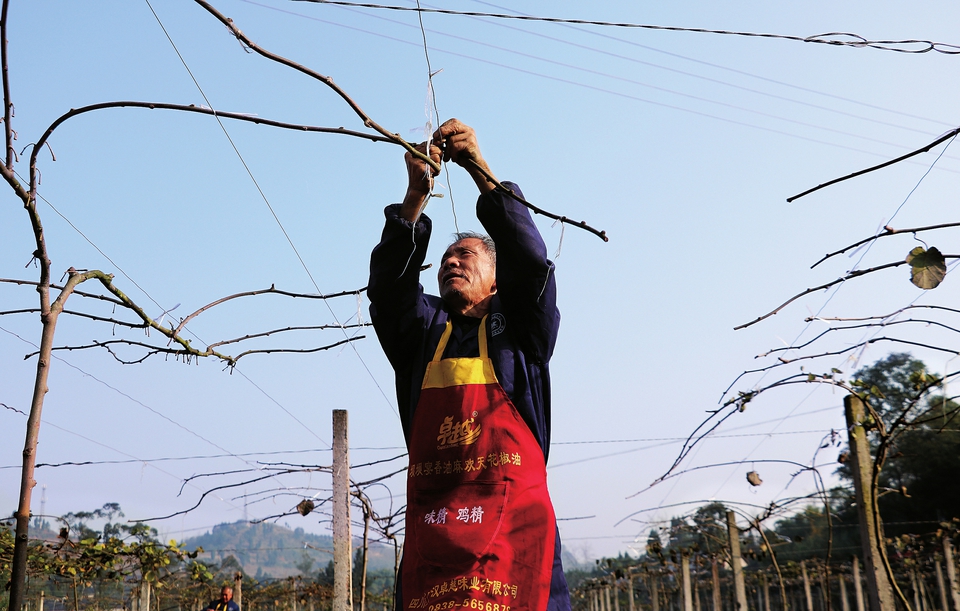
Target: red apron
<point>480,525</point>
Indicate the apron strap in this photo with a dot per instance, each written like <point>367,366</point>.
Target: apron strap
<point>481,339</point>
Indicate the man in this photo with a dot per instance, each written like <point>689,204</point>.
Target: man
<point>225,603</point>
<point>473,388</point>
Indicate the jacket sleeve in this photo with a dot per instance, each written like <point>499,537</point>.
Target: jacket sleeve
<point>398,308</point>
<point>526,282</point>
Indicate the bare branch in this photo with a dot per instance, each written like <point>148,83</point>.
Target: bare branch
<point>326,80</point>
<point>502,189</point>
<point>849,276</point>
<point>867,325</point>
<point>943,138</point>
<point>113,321</point>
<point>285,329</point>
<point>888,231</point>
<point>272,289</point>
<point>58,287</point>
<point>7,100</point>
<point>73,112</point>
<point>884,316</point>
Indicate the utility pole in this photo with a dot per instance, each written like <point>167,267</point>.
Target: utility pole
<point>342,552</point>
<point>740,586</point>
<point>715,577</point>
<point>879,588</point>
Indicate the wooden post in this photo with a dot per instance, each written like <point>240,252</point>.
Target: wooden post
<point>944,605</point>
<point>951,573</point>
<point>616,597</point>
<point>687,590</point>
<point>806,585</point>
<point>594,601</point>
<point>879,588</point>
<point>715,576</point>
<point>923,593</point>
<point>739,586</point>
<point>655,593</point>
<point>844,602</point>
<point>238,589</point>
<point>696,589</point>
<point>766,594</point>
<point>630,603</point>
<point>144,603</point>
<point>858,584</point>
<point>40,601</point>
<point>606,598</point>
<point>342,548</point>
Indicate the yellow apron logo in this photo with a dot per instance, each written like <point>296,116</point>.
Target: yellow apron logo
<point>459,434</point>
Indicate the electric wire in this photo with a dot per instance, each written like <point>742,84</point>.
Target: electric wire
<point>156,303</point>
<point>857,40</point>
<point>266,201</point>
<point>587,86</point>
<point>649,86</point>
<point>834,96</point>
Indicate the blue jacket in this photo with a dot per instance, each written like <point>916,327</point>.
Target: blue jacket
<point>522,326</point>
<point>523,321</point>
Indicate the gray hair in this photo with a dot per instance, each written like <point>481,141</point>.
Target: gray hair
<point>488,244</point>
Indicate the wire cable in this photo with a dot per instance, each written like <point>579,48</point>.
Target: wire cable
<point>830,38</point>
<point>270,207</point>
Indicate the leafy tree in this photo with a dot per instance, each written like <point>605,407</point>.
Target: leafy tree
<point>918,480</point>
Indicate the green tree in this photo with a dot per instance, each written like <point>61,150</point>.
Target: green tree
<point>918,480</point>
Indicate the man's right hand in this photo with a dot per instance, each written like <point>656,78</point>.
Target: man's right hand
<point>419,182</point>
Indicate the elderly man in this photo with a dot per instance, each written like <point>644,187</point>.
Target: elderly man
<point>225,603</point>
<point>473,388</point>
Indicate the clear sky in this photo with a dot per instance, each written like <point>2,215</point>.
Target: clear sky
<point>683,146</point>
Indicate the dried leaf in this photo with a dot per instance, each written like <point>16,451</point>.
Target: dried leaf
<point>754,478</point>
<point>927,267</point>
<point>305,506</point>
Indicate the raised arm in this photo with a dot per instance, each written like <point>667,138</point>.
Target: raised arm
<point>397,304</point>
<point>526,283</point>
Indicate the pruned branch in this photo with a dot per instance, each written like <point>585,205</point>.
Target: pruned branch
<point>867,325</point>
<point>941,139</point>
<point>271,290</point>
<point>326,80</point>
<point>854,274</point>
<point>286,329</point>
<point>502,189</point>
<point>887,231</point>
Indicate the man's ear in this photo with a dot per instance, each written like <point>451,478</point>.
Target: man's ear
<point>493,289</point>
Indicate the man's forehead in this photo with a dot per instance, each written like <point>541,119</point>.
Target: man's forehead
<point>471,244</point>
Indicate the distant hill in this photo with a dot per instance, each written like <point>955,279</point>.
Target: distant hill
<point>269,550</point>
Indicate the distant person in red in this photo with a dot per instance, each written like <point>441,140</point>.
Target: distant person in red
<point>225,602</point>
<point>473,387</point>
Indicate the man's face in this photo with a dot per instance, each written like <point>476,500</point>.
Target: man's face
<point>467,274</point>
<point>226,595</point>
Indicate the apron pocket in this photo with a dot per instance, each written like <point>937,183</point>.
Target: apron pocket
<point>454,527</point>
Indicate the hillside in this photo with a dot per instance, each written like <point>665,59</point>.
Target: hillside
<point>269,550</point>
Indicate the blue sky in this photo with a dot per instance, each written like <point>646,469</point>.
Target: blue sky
<point>683,146</point>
